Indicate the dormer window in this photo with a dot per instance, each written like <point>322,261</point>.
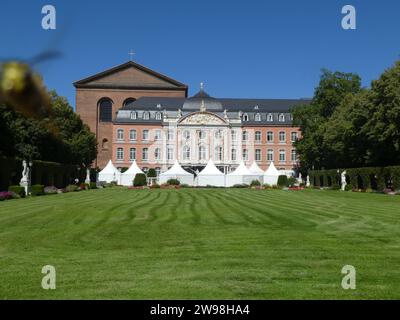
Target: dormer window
<point>255,107</point>
<point>257,117</point>
<point>146,115</point>
<point>270,117</point>
<point>133,115</point>
<point>245,117</point>
<point>281,117</point>
<point>158,116</point>
<point>158,106</point>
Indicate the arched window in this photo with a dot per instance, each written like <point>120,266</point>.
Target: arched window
<point>133,115</point>
<point>120,134</point>
<point>257,136</point>
<point>104,144</point>
<point>132,135</point>
<point>281,117</point>
<point>282,136</point>
<point>186,153</point>
<point>105,110</point>
<point>146,115</point>
<point>257,117</point>
<point>129,101</point>
<point>270,117</point>
<point>132,154</point>
<point>158,116</point>
<point>245,117</point>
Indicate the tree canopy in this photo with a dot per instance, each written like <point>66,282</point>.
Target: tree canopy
<point>346,125</point>
<point>62,137</point>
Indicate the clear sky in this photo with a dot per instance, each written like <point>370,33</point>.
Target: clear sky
<point>248,49</point>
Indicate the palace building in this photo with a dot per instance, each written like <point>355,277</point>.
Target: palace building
<point>139,114</point>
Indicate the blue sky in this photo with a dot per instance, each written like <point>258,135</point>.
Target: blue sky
<point>248,49</point>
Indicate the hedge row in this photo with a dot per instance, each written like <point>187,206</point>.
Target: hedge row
<point>375,178</point>
<point>43,173</point>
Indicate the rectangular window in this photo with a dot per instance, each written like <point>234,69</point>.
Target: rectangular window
<point>257,136</point>
<point>132,154</point>
<point>282,155</point>
<point>270,155</point>
<point>245,135</point>
<point>294,136</point>
<point>170,135</point>
<point>233,136</point>
<point>120,154</point>
<point>282,137</point>
<point>233,155</point>
<point>170,154</point>
<point>145,135</point>
<point>258,155</point>
<point>157,135</point>
<point>132,135</point>
<point>270,137</point>
<point>120,134</point>
<point>245,154</point>
<point>145,154</point>
<point>294,155</point>
<point>157,154</point>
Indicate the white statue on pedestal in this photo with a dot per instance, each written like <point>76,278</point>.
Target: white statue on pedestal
<point>87,181</point>
<point>26,177</point>
<point>308,184</point>
<point>343,180</point>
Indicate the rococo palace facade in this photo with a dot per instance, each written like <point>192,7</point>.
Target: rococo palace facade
<point>139,114</point>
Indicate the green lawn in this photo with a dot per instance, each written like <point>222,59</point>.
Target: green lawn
<point>206,243</point>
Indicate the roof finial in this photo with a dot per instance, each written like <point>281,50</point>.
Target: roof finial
<point>132,53</point>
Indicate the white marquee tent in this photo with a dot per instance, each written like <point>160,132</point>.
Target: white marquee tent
<point>109,173</point>
<point>211,176</point>
<point>241,175</point>
<point>128,176</point>
<point>256,170</point>
<point>177,172</point>
<point>271,175</point>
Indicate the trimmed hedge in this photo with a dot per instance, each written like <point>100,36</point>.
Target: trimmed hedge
<point>18,190</point>
<point>255,183</point>
<point>369,178</point>
<point>283,181</point>
<point>173,182</point>
<point>37,190</point>
<point>140,180</point>
<point>152,173</point>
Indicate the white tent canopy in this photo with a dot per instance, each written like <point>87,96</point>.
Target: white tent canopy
<point>255,169</point>
<point>128,176</point>
<point>211,176</point>
<point>241,175</point>
<point>109,173</point>
<point>177,172</point>
<point>271,175</point>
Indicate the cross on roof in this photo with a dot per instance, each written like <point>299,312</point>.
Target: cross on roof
<point>132,53</point>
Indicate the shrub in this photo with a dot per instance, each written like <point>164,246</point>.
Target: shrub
<point>173,182</point>
<point>71,188</point>
<point>140,180</point>
<point>84,186</point>
<point>255,183</point>
<point>348,187</point>
<point>335,187</point>
<point>6,195</point>
<point>37,190</point>
<point>18,190</point>
<point>283,181</point>
<point>240,186</point>
<point>185,186</point>
<point>152,173</point>
<point>93,185</point>
<point>292,182</point>
<point>50,190</point>
<point>155,186</point>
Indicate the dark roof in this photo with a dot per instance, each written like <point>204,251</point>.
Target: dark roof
<point>173,84</point>
<point>245,105</point>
